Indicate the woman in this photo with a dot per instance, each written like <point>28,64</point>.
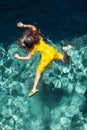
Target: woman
<point>33,42</point>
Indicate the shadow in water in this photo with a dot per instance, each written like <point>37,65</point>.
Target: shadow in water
<point>52,97</point>
<point>83,107</point>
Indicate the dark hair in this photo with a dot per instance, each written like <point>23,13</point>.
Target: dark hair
<point>35,34</point>
<point>26,43</point>
<point>29,39</point>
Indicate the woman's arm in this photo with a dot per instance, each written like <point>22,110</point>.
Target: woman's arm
<point>23,57</point>
<point>21,25</point>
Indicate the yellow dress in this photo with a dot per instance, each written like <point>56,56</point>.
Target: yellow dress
<point>48,54</point>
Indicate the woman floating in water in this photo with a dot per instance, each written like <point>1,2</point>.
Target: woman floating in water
<point>33,42</point>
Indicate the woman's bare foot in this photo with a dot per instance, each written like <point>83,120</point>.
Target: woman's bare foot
<point>66,48</point>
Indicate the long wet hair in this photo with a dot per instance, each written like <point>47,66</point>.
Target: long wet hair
<point>28,39</point>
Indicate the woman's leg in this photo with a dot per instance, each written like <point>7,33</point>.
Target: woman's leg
<point>34,89</point>
<point>37,78</point>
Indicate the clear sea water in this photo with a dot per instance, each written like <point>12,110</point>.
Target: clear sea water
<point>61,103</point>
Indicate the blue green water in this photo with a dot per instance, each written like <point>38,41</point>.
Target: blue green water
<point>61,103</point>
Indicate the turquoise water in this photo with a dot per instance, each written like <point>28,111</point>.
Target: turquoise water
<point>61,101</point>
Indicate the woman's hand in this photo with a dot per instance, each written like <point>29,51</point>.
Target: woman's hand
<point>20,24</point>
<point>17,56</point>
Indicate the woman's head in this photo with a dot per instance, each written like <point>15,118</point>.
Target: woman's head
<point>26,43</point>
<point>29,39</point>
